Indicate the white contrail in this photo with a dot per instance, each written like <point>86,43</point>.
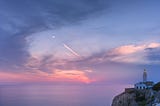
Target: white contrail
<point>71,50</point>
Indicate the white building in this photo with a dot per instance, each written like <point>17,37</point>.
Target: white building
<point>145,84</point>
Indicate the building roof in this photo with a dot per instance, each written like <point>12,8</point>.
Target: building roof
<point>148,83</point>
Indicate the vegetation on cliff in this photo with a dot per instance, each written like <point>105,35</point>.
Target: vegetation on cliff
<point>156,87</point>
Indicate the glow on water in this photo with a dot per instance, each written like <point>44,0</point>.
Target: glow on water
<point>58,95</point>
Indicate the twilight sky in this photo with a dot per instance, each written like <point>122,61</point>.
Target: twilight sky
<point>79,41</point>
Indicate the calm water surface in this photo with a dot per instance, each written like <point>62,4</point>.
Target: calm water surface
<point>42,95</point>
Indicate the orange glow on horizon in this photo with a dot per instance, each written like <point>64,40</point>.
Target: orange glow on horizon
<point>40,76</point>
<point>73,75</point>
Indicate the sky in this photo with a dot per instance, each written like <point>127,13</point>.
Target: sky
<point>79,41</point>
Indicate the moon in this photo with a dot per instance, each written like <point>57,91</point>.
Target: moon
<point>53,36</point>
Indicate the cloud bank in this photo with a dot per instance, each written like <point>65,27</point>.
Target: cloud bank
<point>19,19</point>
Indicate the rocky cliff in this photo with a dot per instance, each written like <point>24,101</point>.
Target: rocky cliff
<point>133,97</point>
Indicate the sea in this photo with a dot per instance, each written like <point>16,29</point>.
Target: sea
<point>58,95</point>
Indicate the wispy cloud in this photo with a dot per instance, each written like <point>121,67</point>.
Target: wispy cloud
<point>82,68</point>
<point>19,19</point>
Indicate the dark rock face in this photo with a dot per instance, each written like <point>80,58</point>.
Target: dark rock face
<point>133,97</point>
<point>156,87</point>
<point>125,99</point>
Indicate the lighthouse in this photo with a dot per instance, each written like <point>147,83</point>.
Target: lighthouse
<point>145,76</point>
<point>145,84</point>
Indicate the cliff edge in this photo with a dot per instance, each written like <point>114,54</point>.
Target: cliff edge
<point>134,97</point>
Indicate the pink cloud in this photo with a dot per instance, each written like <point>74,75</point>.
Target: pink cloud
<point>131,49</point>
<point>48,68</point>
<point>40,76</point>
<point>131,53</point>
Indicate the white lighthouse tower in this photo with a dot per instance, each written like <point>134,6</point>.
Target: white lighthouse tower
<point>145,76</point>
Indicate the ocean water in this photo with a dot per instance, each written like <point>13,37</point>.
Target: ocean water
<point>57,95</point>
